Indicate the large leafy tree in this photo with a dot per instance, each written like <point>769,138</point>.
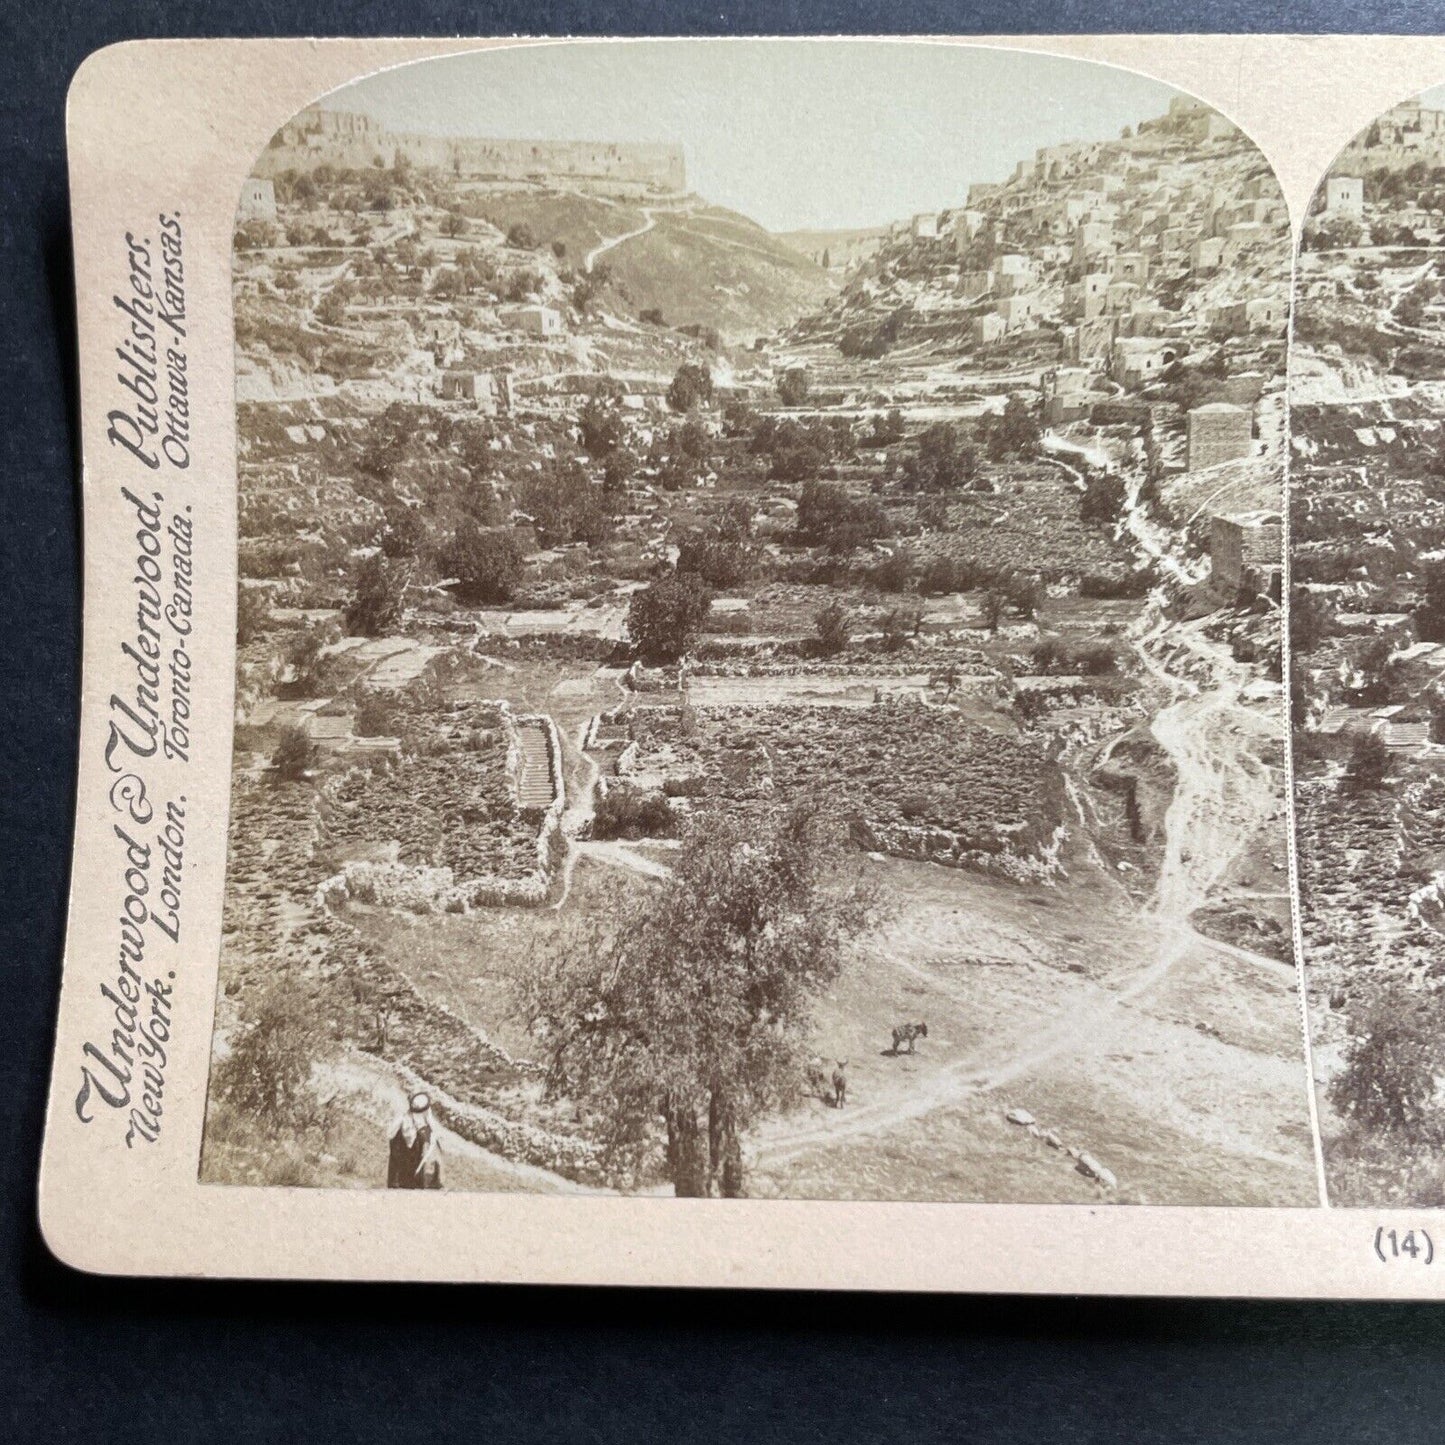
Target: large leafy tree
<point>686,1022</point>
<point>664,618</point>
<point>691,386</point>
<point>486,561</point>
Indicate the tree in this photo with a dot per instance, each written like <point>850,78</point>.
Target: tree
<point>331,311</point>
<point>521,237</point>
<point>565,505</point>
<point>722,558</point>
<point>828,516</point>
<point>1369,764</point>
<point>617,472</point>
<point>404,534</point>
<point>941,463</point>
<point>265,1077</point>
<point>295,755</point>
<point>832,628</point>
<point>899,624</point>
<point>454,224</point>
<point>687,1023</point>
<point>1012,432</point>
<point>992,607</point>
<point>793,386</point>
<point>1102,500</point>
<point>1430,614</point>
<point>376,605</point>
<point>253,612</point>
<point>601,428</point>
<point>486,561</point>
<point>664,618</point>
<point>1310,619</point>
<point>691,387</point>
<point>1387,1085</point>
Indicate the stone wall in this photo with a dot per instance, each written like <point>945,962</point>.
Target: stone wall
<point>317,138</point>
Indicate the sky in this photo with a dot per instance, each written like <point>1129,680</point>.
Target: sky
<point>798,135</point>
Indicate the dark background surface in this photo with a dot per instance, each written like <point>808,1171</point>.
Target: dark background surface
<point>108,1360</point>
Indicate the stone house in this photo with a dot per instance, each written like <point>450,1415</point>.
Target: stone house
<point>1344,196</point>
<point>532,319</point>
<point>1137,360</point>
<point>986,328</point>
<point>258,200</point>
<point>1217,432</point>
<point>1206,255</point>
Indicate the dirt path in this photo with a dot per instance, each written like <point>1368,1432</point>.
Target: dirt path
<point>1224,794</point>
<point>606,246</point>
<point>375,1093</point>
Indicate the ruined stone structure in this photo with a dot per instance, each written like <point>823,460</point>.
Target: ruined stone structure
<point>1246,553</point>
<point>1218,432</point>
<point>490,392</point>
<point>348,141</point>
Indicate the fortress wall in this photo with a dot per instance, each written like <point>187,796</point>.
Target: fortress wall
<point>351,142</point>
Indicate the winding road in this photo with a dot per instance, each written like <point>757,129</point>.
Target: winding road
<point>601,250</point>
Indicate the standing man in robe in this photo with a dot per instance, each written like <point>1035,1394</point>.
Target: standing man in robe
<point>414,1160</point>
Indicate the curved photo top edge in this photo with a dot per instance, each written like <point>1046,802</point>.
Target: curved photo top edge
<point>758,657</point>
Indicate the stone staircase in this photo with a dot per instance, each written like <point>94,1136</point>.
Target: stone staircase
<point>534,775</point>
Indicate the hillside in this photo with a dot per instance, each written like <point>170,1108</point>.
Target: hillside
<point>712,267</point>
<point>841,248</point>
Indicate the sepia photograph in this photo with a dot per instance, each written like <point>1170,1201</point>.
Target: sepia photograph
<point>1367,623</point>
<point>759,635</point>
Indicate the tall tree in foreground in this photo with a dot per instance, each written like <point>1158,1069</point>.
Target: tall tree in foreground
<point>687,1021</point>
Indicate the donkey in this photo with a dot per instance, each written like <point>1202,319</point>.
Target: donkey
<point>840,1084</point>
<point>906,1034</point>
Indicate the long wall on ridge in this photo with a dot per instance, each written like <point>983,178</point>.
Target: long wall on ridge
<point>347,140</point>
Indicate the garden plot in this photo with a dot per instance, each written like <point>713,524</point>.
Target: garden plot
<point>1367,870</point>
<point>1002,529</point>
<point>921,782</point>
<point>860,689</point>
<point>448,801</point>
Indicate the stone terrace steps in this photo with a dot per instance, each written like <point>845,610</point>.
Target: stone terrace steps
<point>534,776</point>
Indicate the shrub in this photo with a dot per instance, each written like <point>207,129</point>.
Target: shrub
<point>295,755</point>
<point>831,627</point>
<point>628,812</point>
<point>377,604</point>
<point>1391,1063</point>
